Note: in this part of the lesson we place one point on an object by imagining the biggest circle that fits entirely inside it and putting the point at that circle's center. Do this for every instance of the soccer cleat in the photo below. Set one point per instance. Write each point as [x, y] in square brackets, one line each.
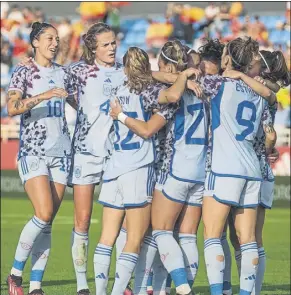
[128, 290]
[84, 292]
[14, 285]
[36, 292]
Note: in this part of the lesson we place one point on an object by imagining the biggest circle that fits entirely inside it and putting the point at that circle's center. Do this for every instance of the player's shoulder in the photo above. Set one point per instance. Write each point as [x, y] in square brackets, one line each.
[78, 65]
[21, 69]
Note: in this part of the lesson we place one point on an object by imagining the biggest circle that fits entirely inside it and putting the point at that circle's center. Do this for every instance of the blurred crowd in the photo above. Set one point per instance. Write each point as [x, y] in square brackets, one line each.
[190, 24]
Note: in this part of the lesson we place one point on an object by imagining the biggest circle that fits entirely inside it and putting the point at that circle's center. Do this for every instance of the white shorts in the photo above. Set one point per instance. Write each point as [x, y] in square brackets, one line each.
[238, 192]
[183, 192]
[133, 189]
[267, 194]
[161, 180]
[86, 169]
[56, 168]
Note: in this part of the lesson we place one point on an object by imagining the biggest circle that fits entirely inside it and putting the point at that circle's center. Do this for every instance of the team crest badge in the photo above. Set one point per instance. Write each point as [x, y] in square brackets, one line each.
[107, 89]
[77, 171]
[34, 165]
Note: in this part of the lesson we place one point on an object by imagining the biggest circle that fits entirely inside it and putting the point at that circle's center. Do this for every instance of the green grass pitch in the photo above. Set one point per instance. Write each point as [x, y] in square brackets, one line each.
[59, 278]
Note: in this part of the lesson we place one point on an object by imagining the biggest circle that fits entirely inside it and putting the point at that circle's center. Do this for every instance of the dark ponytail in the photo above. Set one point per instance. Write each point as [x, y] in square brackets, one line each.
[274, 67]
[242, 52]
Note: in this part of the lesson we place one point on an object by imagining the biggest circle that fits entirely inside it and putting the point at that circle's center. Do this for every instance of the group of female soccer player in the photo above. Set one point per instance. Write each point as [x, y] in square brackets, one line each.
[196, 136]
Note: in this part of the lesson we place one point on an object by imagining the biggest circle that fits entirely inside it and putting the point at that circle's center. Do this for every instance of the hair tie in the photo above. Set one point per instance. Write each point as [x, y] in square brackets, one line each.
[171, 60]
[264, 61]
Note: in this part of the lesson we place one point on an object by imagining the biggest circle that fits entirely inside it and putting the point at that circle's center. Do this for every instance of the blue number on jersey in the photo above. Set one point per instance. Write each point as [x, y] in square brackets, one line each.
[249, 123]
[188, 137]
[104, 107]
[56, 110]
[125, 145]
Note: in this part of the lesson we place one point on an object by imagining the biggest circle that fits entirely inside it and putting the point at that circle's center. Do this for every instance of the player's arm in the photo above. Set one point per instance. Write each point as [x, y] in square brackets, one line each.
[258, 87]
[16, 105]
[271, 138]
[271, 135]
[275, 87]
[143, 129]
[174, 93]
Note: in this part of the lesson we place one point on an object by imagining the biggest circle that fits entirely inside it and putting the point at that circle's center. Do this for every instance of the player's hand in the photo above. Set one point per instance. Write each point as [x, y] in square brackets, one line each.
[25, 61]
[233, 74]
[273, 156]
[116, 109]
[260, 79]
[192, 72]
[194, 86]
[54, 92]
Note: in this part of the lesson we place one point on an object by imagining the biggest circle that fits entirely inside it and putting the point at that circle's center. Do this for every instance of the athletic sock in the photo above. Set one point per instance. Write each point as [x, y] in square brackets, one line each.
[260, 272]
[188, 243]
[227, 270]
[39, 257]
[124, 269]
[144, 265]
[172, 258]
[249, 264]
[102, 258]
[25, 244]
[80, 243]
[214, 259]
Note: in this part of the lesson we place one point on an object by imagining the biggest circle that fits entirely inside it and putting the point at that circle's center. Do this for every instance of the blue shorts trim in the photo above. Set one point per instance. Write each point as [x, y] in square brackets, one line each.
[248, 206]
[109, 205]
[237, 176]
[172, 199]
[194, 204]
[230, 203]
[136, 205]
[185, 180]
[265, 206]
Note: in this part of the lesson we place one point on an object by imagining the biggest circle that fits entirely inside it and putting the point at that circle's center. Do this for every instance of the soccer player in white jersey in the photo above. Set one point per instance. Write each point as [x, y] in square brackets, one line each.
[235, 177]
[173, 49]
[273, 71]
[183, 190]
[137, 68]
[37, 93]
[95, 77]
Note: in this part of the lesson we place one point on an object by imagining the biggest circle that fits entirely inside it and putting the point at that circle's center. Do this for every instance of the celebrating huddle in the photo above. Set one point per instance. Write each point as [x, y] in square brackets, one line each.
[195, 136]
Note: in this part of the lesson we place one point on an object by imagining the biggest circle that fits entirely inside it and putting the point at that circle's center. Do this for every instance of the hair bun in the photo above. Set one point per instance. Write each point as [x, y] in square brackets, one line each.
[36, 25]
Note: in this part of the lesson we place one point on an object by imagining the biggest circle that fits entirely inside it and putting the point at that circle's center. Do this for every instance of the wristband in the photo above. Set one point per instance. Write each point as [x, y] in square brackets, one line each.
[121, 117]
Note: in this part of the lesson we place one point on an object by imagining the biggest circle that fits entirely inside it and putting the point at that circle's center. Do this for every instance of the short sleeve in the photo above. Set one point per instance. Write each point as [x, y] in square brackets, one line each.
[150, 101]
[211, 84]
[18, 79]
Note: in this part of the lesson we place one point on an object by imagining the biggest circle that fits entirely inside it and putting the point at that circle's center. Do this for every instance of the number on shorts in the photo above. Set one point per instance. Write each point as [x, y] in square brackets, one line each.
[249, 123]
[125, 144]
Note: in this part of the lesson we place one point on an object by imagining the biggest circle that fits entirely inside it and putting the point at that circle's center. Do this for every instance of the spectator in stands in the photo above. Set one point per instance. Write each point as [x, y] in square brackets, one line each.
[15, 14]
[65, 35]
[4, 10]
[211, 11]
[112, 17]
[282, 118]
[6, 54]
